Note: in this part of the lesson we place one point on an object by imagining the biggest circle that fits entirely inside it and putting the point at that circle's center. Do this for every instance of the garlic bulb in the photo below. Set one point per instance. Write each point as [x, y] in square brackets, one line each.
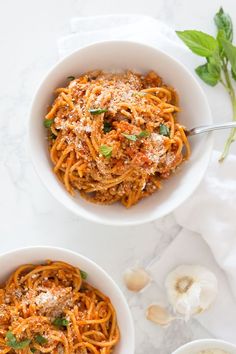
[136, 279]
[159, 315]
[191, 289]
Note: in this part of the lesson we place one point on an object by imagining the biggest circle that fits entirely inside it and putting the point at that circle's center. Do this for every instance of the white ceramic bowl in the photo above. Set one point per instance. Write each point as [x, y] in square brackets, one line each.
[203, 344]
[96, 277]
[121, 55]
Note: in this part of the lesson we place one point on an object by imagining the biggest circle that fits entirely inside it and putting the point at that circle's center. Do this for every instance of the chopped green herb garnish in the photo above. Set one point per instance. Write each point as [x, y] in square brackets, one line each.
[107, 127]
[131, 137]
[40, 339]
[97, 111]
[48, 122]
[70, 78]
[83, 274]
[52, 136]
[13, 343]
[143, 134]
[134, 137]
[60, 322]
[106, 151]
[164, 130]
[33, 350]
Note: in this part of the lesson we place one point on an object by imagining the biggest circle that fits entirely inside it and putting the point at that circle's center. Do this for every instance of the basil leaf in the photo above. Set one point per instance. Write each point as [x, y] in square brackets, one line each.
[60, 322]
[214, 64]
[48, 122]
[131, 137]
[10, 336]
[199, 42]
[164, 130]
[106, 151]
[97, 111]
[214, 70]
[230, 52]
[13, 343]
[83, 274]
[40, 339]
[224, 23]
[206, 76]
[21, 345]
[107, 127]
[134, 137]
[143, 134]
[71, 78]
[33, 350]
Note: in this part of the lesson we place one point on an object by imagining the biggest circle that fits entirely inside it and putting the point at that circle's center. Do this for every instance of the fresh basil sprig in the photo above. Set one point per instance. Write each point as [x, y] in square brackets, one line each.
[220, 66]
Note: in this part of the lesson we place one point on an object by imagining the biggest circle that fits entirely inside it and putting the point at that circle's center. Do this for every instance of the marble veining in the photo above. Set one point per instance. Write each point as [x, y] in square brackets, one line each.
[29, 215]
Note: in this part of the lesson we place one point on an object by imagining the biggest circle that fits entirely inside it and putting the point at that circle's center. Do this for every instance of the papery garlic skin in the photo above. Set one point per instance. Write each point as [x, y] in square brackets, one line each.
[191, 289]
[136, 279]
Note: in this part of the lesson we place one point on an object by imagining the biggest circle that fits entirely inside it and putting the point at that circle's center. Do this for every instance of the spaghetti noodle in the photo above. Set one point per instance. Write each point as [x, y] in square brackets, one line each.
[114, 137]
[50, 308]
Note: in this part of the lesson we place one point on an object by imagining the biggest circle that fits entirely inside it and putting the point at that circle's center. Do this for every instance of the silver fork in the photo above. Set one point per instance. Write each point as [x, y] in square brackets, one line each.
[207, 128]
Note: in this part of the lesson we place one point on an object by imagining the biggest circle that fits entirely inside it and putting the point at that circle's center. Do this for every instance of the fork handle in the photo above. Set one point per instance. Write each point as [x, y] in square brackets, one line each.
[208, 128]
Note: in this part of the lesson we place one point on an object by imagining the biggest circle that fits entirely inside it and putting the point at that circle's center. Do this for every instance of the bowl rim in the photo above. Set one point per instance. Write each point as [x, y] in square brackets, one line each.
[116, 288]
[90, 216]
[192, 344]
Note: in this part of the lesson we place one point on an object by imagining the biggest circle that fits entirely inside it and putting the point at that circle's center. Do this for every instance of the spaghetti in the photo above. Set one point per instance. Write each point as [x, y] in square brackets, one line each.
[114, 137]
[50, 308]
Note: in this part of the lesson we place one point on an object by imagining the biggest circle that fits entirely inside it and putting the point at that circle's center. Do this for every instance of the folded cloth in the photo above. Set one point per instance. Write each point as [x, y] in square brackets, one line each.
[210, 211]
[145, 29]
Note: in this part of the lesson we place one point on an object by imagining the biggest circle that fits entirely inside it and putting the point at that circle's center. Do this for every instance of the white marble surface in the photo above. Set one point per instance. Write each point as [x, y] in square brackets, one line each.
[29, 215]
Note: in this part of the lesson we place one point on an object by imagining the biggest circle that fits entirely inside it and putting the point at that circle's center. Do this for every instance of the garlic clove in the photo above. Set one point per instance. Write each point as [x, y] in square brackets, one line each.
[136, 279]
[159, 315]
[191, 289]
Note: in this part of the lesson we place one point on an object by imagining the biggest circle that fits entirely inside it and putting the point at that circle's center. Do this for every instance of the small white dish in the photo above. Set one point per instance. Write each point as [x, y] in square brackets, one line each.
[113, 56]
[203, 344]
[96, 276]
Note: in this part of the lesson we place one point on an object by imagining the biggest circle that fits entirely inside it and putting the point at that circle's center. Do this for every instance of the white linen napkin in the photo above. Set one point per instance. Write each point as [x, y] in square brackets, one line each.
[210, 211]
[87, 30]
